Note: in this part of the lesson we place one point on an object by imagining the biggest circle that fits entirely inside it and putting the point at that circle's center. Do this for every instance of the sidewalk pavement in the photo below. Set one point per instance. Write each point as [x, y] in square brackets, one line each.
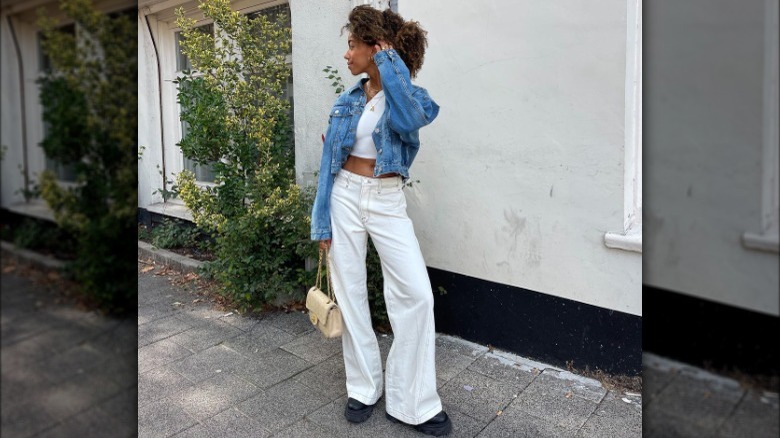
[203, 372]
[210, 373]
[684, 401]
[65, 372]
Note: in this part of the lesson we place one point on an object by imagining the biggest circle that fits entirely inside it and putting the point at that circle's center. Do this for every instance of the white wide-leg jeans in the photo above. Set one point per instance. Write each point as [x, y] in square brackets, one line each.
[376, 207]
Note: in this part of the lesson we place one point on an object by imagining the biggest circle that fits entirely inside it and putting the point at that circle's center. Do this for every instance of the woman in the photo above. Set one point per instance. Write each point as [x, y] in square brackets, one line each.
[371, 141]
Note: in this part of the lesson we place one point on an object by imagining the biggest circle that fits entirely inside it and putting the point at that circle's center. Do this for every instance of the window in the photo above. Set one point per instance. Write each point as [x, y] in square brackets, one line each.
[272, 13]
[64, 172]
[182, 61]
[203, 173]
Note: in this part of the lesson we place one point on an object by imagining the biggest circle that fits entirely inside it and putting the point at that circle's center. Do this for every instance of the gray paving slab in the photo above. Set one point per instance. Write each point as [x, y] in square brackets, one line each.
[205, 335]
[450, 362]
[234, 423]
[162, 328]
[160, 353]
[295, 323]
[25, 418]
[556, 400]
[259, 340]
[158, 383]
[327, 378]
[617, 415]
[654, 381]
[313, 347]
[463, 425]
[78, 394]
[207, 363]
[78, 360]
[665, 424]
[519, 424]
[305, 428]
[706, 406]
[237, 321]
[330, 417]
[270, 368]
[214, 395]
[64, 369]
[198, 430]
[123, 409]
[686, 401]
[500, 369]
[282, 405]
[479, 395]
[755, 416]
[89, 423]
[163, 418]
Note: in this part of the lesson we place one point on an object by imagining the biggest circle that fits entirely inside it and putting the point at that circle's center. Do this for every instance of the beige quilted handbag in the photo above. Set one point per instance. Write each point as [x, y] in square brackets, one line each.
[324, 313]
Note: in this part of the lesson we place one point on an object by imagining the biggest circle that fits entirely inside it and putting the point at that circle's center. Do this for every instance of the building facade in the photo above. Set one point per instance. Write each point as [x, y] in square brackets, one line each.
[528, 205]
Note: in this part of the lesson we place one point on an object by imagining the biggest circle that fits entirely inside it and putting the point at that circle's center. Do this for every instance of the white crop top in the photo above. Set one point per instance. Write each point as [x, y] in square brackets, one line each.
[364, 144]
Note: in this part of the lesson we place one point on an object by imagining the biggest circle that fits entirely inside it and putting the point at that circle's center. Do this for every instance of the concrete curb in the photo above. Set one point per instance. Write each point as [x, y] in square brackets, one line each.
[176, 261]
[27, 256]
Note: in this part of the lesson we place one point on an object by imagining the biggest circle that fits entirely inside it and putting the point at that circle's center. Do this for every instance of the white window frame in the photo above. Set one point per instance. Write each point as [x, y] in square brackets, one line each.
[630, 238]
[767, 237]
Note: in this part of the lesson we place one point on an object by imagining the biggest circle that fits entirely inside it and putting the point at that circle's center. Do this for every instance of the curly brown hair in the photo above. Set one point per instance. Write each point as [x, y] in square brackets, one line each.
[408, 38]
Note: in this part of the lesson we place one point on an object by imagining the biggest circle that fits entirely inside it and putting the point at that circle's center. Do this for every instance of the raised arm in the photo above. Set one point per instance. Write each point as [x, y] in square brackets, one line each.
[410, 107]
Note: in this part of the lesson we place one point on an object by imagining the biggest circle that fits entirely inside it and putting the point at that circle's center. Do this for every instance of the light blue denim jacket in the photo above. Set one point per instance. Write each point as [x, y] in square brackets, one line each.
[407, 109]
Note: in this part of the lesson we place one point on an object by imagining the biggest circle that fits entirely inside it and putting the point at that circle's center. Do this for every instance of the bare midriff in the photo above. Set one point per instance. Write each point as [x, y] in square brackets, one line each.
[363, 167]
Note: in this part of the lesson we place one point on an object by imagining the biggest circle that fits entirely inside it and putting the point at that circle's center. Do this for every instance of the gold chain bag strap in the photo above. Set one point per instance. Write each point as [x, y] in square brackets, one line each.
[324, 313]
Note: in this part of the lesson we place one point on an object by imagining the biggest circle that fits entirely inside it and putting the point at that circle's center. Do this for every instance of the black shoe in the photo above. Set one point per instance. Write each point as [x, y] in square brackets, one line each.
[357, 412]
[439, 425]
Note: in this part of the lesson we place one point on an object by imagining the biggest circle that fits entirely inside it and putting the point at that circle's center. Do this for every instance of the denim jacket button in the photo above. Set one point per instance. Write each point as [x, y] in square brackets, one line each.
[337, 111]
[376, 130]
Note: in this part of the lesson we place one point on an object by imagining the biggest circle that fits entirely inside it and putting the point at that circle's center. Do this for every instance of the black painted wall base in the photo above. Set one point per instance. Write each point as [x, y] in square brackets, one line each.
[538, 326]
[709, 334]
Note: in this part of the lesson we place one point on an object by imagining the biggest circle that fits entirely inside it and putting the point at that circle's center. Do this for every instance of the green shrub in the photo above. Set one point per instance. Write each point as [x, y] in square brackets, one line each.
[35, 234]
[89, 100]
[174, 234]
[238, 118]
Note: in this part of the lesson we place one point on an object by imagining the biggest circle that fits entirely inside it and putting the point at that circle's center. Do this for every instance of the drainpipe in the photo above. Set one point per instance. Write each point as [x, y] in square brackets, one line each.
[25, 172]
[159, 98]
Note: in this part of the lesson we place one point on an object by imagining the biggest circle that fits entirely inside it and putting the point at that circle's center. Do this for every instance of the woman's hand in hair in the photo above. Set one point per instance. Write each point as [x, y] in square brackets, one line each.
[382, 45]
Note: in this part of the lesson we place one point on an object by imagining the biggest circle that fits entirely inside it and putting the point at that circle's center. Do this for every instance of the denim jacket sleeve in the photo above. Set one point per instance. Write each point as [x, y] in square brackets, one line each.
[409, 107]
[320, 215]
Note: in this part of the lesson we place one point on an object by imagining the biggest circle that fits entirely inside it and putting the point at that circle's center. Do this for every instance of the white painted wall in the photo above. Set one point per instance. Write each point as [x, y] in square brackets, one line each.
[317, 42]
[705, 128]
[149, 178]
[11, 133]
[10, 117]
[522, 173]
